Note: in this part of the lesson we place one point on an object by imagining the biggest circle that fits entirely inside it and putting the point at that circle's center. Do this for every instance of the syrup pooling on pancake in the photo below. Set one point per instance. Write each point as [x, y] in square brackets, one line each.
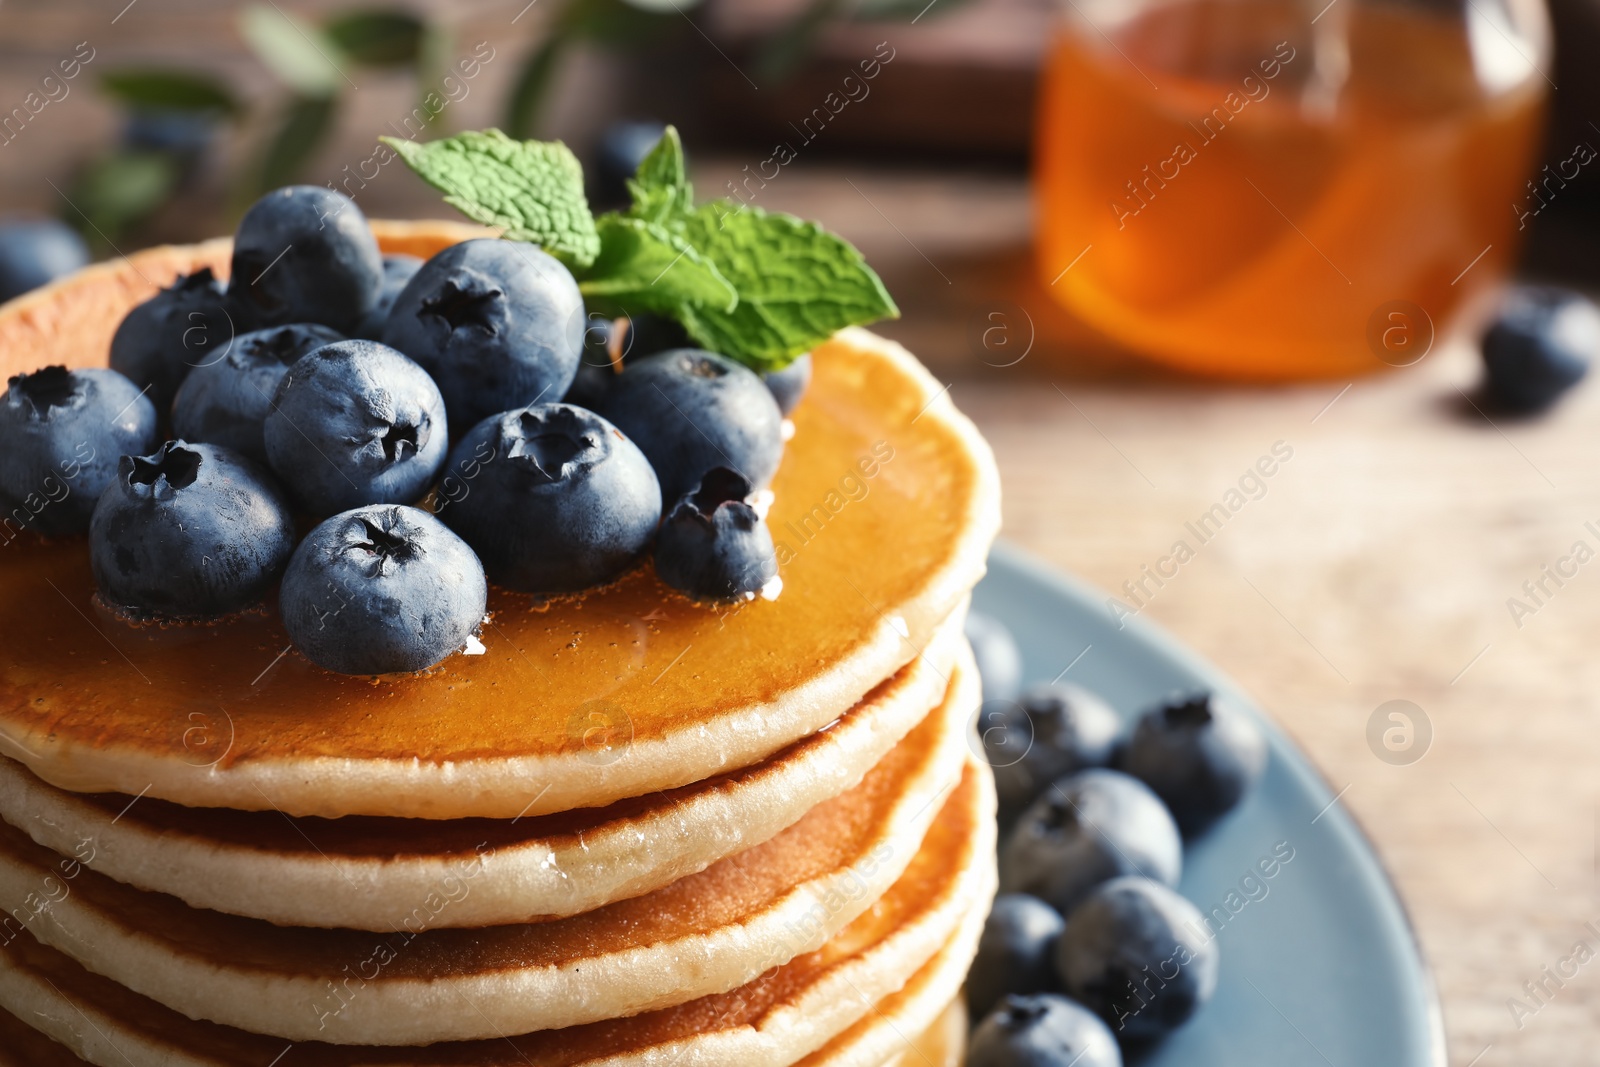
[626, 695]
[608, 688]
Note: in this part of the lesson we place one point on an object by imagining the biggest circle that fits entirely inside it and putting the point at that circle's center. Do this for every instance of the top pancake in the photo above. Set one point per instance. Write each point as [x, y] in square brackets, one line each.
[887, 501]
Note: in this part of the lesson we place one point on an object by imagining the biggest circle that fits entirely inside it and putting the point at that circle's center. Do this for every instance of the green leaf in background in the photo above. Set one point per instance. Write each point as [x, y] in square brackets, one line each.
[789, 46]
[377, 38]
[305, 123]
[118, 191]
[301, 56]
[644, 266]
[900, 10]
[661, 6]
[797, 284]
[609, 23]
[169, 90]
[435, 58]
[660, 187]
[533, 82]
[532, 190]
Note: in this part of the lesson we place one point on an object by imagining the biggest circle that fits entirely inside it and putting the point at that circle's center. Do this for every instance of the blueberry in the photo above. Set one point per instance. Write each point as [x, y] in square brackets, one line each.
[589, 387]
[1053, 731]
[1539, 346]
[499, 324]
[645, 334]
[1084, 830]
[623, 146]
[304, 253]
[191, 531]
[691, 410]
[382, 589]
[552, 498]
[34, 252]
[398, 270]
[789, 384]
[353, 423]
[1139, 956]
[1201, 753]
[186, 325]
[1015, 953]
[999, 659]
[1042, 1031]
[181, 135]
[596, 367]
[225, 402]
[61, 434]
[714, 546]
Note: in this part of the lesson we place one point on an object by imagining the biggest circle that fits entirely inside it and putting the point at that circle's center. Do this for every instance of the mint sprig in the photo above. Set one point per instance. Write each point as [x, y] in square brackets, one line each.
[531, 190]
[761, 287]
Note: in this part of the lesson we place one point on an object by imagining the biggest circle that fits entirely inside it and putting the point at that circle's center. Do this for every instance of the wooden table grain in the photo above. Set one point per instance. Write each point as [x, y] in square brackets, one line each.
[1380, 563]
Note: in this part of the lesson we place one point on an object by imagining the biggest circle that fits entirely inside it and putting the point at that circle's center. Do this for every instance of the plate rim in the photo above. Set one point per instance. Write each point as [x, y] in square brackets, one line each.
[1072, 588]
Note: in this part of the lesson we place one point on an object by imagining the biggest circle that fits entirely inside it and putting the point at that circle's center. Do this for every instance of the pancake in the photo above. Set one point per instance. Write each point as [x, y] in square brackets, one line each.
[367, 872]
[894, 1023]
[944, 1044]
[703, 934]
[886, 503]
[941, 1045]
[921, 934]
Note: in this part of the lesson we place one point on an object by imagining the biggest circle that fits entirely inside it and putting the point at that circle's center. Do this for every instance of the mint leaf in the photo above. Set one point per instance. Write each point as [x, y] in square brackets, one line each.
[759, 287]
[660, 187]
[797, 284]
[532, 190]
[643, 266]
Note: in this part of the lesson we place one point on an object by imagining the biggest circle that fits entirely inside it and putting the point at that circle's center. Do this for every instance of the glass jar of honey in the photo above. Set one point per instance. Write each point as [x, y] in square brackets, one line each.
[1279, 189]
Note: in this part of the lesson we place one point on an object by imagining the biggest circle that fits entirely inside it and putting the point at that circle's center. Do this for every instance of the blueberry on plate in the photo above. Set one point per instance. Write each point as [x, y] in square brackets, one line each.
[999, 659]
[398, 270]
[304, 253]
[1042, 1031]
[499, 324]
[1139, 956]
[36, 251]
[691, 410]
[552, 498]
[1015, 953]
[789, 384]
[382, 589]
[191, 531]
[1200, 753]
[225, 402]
[1087, 829]
[1054, 730]
[1539, 346]
[61, 434]
[714, 546]
[355, 423]
[187, 325]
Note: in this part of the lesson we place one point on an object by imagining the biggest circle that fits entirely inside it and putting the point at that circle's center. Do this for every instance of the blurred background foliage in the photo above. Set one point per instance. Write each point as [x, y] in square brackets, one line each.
[173, 118]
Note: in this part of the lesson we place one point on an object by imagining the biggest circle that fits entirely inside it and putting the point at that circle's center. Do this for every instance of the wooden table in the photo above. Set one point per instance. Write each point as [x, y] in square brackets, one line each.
[1377, 566]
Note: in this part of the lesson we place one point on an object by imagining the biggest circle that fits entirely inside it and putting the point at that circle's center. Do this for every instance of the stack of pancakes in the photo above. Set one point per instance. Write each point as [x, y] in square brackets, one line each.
[634, 830]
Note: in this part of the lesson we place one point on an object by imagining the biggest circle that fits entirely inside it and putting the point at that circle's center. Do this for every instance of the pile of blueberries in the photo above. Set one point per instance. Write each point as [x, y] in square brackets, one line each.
[429, 428]
[1089, 950]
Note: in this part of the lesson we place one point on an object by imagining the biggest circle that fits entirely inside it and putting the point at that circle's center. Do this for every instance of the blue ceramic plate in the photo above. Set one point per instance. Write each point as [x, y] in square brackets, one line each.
[1319, 963]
